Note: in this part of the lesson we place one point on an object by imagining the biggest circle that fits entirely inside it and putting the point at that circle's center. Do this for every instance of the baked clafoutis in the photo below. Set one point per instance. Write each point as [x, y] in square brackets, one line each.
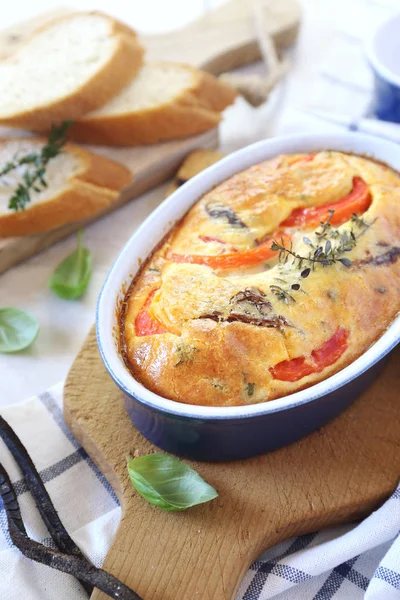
[275, 280]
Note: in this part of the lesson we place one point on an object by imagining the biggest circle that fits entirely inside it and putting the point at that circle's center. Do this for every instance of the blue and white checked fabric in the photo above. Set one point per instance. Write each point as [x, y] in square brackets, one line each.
[345, 563]
[83, 498]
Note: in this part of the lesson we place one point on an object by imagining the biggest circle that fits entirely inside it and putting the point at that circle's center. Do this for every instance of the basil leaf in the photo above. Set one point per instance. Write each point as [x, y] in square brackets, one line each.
[18, 329]
[168, 483]
[71, 278]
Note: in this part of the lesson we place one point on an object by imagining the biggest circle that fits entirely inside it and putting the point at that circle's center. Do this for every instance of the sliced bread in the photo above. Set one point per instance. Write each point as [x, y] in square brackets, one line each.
[70, 66]
[164, 101]
[79, 184]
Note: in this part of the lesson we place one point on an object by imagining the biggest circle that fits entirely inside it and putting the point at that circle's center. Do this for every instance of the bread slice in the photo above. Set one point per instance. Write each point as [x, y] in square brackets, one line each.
[194, 163]
[80, 184]
[164, 101]
[70, 66]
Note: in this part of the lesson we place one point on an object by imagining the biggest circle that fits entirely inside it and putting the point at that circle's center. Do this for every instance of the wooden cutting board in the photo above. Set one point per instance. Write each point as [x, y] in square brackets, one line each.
[220, 41]
[337, 474]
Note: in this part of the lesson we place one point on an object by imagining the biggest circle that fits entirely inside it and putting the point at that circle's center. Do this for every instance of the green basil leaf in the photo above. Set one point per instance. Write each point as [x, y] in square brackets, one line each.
[18, 329]
[168, 483]
[71, 278]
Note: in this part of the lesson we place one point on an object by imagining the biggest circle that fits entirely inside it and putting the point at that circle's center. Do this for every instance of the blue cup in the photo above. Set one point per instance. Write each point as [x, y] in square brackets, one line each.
[383, 54]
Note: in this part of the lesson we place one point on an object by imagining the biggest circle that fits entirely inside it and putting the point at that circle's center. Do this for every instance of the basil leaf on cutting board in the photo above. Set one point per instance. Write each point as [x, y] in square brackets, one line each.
[71, 278]
[168, 483]
[18, 329]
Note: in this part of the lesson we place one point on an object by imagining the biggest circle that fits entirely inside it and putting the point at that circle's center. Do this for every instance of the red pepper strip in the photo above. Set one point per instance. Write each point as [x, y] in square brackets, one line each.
[144, 322]
[323, 356]
[310, 156]
[235, 259]
[306, 158]
[358, 201]
[209, 238]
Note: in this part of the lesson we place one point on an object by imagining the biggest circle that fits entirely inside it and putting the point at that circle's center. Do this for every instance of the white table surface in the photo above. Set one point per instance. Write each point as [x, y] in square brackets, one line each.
[63, 324]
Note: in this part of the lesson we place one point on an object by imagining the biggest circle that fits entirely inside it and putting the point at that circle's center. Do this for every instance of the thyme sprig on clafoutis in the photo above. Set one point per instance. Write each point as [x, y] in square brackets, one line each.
[329, 249]
[282, 294]
[34, 176]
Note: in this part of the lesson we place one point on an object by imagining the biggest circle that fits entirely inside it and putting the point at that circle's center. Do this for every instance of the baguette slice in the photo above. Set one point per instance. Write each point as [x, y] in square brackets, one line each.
[70, 66]
[164, 101]
[80, 184]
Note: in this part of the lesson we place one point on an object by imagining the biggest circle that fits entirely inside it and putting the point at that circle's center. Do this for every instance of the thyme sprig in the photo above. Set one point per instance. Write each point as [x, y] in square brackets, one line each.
[329, 249]
[34, 175]
[282, 294]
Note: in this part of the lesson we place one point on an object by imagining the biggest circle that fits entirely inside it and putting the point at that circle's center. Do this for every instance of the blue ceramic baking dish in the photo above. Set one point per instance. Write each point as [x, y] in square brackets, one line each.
[383, 53]
[227, 433]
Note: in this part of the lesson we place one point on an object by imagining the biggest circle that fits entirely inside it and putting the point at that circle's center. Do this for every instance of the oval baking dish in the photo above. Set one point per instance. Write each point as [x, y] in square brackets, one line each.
[225, 433]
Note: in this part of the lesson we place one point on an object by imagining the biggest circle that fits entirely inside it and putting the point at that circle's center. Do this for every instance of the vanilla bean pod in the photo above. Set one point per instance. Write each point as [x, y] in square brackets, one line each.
[69, 558]
[43, 501]
[71, 564]
[36, 487]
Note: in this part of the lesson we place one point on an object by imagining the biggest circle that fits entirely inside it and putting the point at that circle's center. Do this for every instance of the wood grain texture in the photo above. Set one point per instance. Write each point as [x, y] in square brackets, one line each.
[218, 42]
[226, 38]
[221, 40]
[337, 474]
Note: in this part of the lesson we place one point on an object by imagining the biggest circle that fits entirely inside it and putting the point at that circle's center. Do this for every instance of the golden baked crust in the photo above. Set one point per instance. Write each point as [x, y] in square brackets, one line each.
[238, 331]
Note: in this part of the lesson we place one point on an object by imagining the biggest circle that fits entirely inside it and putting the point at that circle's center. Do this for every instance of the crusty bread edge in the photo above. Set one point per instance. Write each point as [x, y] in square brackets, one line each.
[195, 110]
[91, 189]
[100, 170]
[214, 94]
[99, 89]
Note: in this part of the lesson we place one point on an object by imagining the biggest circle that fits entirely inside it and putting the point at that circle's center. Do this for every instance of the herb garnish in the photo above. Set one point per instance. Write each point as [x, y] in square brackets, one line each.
[18, 329]
[329, 249]
[71, 278]
[250, 388]
[282, 294]
[169, 483]
[325, 252]
[217, 385]
[34, 176]
[185, 353]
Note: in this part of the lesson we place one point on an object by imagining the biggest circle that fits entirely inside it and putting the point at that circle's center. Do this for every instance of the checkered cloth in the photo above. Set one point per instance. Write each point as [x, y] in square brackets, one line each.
[345, 563]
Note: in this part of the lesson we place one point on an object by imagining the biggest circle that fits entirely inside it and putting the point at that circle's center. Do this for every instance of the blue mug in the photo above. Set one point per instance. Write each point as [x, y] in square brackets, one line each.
[383, 54]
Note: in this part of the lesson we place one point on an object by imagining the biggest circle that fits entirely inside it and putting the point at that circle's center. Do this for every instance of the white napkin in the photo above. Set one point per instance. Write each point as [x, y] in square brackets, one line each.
[345, 563]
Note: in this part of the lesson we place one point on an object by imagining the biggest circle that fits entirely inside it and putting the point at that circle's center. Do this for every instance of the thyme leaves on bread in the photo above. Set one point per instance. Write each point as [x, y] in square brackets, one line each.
[34, 176]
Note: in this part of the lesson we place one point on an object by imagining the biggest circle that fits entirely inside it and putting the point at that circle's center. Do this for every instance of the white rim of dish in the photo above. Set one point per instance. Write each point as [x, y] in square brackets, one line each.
[106, 308]
[384, 72]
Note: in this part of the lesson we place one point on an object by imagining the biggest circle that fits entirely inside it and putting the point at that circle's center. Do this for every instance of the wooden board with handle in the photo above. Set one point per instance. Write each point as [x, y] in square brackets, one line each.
[222, 40]
[337, 474]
